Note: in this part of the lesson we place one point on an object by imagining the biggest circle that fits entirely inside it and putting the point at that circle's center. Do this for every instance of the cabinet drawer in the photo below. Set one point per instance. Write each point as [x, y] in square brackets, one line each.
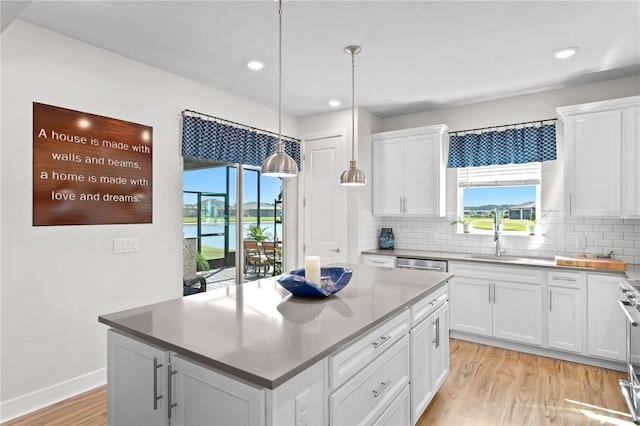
[429, 304]
[499, 272]
[364, 398]
[566, 279]
[382, 261]
[398, 413]
[347, 362]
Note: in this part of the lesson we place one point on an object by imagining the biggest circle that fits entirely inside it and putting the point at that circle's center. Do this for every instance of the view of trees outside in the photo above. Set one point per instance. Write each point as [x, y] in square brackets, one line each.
[516, 206]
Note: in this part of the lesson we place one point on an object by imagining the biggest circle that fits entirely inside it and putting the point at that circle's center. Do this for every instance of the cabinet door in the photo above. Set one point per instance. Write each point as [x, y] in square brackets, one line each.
[421, 174]
[631, 162]
[421, 382]
[606, 324]
[440, 348]
[593, 147]
[565, 318]
[517, 312]
[387, 177]
[471, 308]
[205, 397]
[136, 382]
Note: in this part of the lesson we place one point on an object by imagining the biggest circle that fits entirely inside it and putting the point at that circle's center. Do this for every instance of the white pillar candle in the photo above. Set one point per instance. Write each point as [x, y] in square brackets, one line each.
[312, 269]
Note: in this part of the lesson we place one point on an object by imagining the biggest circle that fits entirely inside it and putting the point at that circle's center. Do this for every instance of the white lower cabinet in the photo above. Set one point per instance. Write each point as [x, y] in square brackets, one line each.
[398, 412]
[387, 376]
[497, 301]
[363, 398]
[199, 395]
[566, 313]
[147, 385]
[379, 260]
[137, 382]
[429, 359]
[606, 324]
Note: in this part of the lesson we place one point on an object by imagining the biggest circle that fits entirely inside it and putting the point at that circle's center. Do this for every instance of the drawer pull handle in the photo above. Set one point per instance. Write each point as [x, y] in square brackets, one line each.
[170, 404]
[156, 397]
[383, 386]
[380, 341]
[567, 279]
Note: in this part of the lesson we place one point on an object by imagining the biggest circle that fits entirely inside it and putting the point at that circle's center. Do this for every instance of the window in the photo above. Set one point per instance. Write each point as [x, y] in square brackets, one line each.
[513, 189]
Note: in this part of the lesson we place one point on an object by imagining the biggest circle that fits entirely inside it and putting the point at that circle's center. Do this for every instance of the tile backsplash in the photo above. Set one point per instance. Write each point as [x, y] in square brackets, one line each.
[561, 236]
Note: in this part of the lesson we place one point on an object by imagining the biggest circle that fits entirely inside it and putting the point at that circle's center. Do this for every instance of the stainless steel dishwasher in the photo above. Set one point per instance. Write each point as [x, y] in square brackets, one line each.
[422, 264]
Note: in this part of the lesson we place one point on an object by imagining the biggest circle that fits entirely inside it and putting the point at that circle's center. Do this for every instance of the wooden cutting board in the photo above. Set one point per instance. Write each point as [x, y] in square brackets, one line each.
[591, 262]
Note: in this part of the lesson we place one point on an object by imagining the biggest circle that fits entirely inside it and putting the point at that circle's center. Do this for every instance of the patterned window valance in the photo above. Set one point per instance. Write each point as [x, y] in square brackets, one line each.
[212, 138]
[535, 143]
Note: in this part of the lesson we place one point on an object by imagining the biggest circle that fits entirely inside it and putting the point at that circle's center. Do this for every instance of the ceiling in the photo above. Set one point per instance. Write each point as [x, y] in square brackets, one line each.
[416, 55]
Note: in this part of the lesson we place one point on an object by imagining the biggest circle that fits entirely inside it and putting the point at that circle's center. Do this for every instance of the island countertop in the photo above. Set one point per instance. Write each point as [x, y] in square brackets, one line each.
[262, 334]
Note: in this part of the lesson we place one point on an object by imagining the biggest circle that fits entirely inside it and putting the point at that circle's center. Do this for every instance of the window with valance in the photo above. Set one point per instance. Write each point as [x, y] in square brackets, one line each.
[214, 139]
[501, 169]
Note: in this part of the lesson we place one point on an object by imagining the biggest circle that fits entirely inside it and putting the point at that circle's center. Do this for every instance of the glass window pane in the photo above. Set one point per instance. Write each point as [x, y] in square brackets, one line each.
[515, 203]
[190, 215]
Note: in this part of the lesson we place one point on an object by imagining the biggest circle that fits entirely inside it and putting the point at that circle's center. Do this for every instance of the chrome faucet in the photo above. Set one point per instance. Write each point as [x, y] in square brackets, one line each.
[496, 231]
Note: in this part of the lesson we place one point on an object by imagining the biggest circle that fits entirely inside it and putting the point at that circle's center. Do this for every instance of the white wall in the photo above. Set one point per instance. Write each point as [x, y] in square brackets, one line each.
[56, 280]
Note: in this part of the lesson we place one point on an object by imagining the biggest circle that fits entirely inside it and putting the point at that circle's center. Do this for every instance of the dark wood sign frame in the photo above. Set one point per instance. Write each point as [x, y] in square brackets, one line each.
[89, 169]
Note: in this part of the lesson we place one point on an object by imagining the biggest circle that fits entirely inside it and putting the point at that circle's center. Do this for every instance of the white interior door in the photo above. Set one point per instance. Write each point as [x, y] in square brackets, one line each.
[324, 200]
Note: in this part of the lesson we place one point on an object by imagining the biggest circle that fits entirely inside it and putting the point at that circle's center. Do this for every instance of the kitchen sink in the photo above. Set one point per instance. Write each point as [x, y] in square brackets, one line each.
[511, 259]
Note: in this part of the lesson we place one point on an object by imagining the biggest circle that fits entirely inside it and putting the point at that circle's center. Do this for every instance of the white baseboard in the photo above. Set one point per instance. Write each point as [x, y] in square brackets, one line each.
[41, 398]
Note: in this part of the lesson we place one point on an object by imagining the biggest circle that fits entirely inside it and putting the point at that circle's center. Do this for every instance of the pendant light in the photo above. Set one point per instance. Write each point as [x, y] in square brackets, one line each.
[279, 164]
[353, 176]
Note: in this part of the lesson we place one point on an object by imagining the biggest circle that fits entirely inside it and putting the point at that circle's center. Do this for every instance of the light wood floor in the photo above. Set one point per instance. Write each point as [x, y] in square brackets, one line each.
[486, 386]
[492, 386]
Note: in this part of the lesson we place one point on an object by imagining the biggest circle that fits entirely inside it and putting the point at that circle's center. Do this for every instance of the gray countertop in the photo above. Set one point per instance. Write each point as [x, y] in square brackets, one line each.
[259, 332]
[632, 272]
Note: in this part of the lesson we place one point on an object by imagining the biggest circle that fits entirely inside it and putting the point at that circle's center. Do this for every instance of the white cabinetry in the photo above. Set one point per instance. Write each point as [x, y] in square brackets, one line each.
[503, 302]
[566, 300]
[374, 379]
[379, 260]
[601, 157]
[204, 397]
[150, 386]
[137, 382]
[605, 321]
[429, 352]
[409, 171]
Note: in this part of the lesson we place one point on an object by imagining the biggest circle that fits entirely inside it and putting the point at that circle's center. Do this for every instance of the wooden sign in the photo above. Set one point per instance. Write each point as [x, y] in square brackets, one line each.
[89, 169]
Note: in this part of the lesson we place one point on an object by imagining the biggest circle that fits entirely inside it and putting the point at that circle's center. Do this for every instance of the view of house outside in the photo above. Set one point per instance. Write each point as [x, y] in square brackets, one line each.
[516, 206]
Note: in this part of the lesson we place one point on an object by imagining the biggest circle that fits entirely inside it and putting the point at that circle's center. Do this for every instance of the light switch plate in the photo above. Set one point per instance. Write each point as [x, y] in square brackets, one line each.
[126, 245]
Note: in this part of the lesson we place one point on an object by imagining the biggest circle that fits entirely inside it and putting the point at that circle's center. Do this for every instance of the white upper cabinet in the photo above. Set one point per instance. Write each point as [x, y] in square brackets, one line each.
[601, 157]
[409, 169]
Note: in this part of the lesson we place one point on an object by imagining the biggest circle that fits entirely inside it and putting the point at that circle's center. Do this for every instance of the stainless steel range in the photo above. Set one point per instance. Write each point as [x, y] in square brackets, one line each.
[631, 386]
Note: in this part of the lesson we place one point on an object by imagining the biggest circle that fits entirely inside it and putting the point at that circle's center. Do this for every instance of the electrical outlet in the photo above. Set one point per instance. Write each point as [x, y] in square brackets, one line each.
[126, 245]
[302, 408]
[581, 242]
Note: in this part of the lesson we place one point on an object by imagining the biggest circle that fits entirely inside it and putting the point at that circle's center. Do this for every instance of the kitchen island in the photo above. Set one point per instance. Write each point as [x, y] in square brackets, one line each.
[254, 354]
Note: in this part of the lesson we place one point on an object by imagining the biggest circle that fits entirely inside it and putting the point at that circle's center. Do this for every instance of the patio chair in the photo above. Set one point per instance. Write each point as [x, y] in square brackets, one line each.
[269, 248]
[254, 257]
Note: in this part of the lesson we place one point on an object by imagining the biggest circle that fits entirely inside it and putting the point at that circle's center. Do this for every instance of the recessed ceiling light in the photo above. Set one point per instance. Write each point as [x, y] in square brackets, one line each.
[255, 65]
[566, 52]
[334, 103]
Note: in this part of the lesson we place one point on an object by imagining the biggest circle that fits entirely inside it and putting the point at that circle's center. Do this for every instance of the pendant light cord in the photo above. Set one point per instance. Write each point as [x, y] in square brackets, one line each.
[279, 145]
[353, 106]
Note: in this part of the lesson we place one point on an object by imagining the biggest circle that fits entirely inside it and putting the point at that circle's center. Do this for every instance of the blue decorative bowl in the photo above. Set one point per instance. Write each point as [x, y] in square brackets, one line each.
[333, 280]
